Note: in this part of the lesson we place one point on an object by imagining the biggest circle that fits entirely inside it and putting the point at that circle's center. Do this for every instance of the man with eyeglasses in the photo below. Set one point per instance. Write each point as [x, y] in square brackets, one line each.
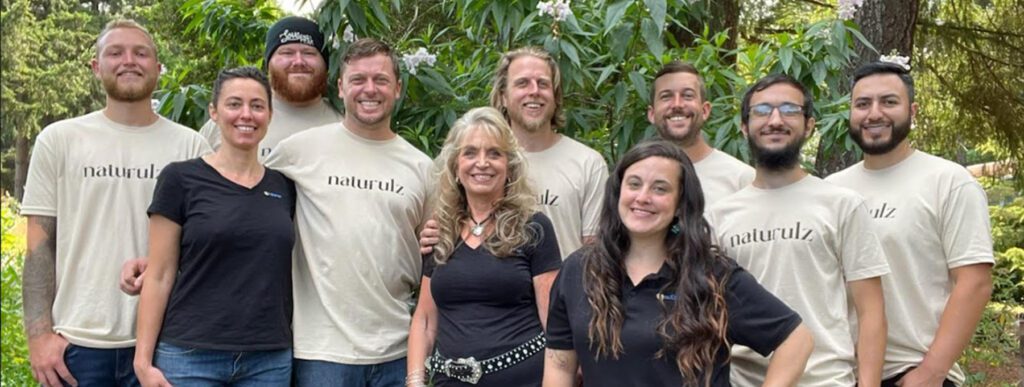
[807, 241]
[932, 220]
[678, 109]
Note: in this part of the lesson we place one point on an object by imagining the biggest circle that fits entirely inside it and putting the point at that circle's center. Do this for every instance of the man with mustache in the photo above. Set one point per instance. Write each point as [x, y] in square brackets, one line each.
[296, 59]
[678, 109]
[90, 181]
[807, 241]
[933, 222]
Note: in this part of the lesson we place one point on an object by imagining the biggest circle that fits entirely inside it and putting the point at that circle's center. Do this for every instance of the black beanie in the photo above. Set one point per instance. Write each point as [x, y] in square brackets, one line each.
[294, 29]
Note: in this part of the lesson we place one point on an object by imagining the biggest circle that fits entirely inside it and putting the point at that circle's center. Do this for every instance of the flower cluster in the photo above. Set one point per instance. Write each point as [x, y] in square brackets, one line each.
[412, 61]
[895, 58]
[847, 8]
[558, 9]
[348, 36]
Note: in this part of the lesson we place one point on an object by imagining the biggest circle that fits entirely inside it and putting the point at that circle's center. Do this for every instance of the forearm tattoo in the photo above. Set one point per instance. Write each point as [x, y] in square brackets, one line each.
[561, 358]
[39, 283]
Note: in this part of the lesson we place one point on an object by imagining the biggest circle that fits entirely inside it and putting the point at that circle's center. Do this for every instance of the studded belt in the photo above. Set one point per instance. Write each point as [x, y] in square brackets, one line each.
[470, 370]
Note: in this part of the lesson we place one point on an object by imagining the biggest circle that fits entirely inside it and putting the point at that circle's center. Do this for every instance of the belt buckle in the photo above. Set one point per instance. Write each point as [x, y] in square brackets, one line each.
[469, 364]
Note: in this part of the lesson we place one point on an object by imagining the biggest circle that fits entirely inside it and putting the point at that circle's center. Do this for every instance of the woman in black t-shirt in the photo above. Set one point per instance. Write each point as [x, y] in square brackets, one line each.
[653, 303]
[216, 305]
[483, 298]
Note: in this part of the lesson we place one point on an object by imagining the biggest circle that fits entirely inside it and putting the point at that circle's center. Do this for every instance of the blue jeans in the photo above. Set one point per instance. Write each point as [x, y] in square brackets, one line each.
[203, 367]
[316, 373]
[101, 367]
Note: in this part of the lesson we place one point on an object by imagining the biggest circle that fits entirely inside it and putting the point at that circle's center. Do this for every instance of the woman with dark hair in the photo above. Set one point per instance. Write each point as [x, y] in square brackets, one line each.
[484, 292]
[653, 302]
[216, 306]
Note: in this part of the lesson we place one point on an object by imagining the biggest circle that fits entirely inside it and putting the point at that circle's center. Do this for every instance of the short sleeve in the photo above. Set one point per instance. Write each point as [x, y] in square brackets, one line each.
[861, 253]
[545, 255]
[594, 195]
[278, 158]
[559, 330]
[169, 194]
[966, 228]
[757, 319]
[43, 173]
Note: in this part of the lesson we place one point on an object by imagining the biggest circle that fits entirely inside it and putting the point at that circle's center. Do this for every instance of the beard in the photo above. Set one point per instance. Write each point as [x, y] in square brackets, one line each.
[776, 159]
[129, 93]
[298, 91]
[900, 131]
[692, 131]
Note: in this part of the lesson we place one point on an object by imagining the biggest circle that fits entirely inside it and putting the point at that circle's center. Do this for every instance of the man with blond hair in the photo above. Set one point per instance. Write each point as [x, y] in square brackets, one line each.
[90, 181]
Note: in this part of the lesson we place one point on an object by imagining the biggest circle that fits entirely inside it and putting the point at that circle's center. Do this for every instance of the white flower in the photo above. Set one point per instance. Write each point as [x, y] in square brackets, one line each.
[847, 8]
[558, 9]
[348, 36]
[412, 61]
[895, 58]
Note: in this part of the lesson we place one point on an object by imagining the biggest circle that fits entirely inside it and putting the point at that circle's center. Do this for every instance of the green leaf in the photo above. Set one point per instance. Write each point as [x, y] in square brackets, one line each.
[614, 14]
[570, 51]
[786, 57]
[658, 11]
[604, 74]
[652, 36]
[640, 85]
[819, 72]
[379, 13]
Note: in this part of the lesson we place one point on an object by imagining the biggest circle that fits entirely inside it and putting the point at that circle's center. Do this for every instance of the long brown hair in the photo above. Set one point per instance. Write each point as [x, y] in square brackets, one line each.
[694, 327]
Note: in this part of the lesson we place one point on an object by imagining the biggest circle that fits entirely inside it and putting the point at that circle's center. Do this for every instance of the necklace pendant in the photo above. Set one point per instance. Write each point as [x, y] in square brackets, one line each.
[477, 230]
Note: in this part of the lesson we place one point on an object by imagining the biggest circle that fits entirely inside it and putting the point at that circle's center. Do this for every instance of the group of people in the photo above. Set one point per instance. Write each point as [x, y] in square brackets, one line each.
[293, 245]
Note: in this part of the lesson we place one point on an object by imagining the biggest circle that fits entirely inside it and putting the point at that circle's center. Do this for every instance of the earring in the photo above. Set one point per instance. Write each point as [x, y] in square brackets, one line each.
[675, 229]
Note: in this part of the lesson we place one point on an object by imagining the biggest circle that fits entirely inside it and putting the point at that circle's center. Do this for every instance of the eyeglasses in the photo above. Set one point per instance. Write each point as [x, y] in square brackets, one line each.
[786, 109]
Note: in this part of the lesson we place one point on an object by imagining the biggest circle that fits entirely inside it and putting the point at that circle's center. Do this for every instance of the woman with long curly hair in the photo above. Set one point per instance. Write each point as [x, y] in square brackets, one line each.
[653, 302]
[484, 292]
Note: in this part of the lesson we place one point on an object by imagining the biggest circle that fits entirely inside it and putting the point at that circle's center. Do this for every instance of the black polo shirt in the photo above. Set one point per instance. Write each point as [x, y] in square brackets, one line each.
[756, 319]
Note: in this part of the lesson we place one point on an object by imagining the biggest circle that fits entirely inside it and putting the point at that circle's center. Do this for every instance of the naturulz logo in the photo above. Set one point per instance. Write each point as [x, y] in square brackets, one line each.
[149, 172]
[883, 212]
[547, 199]
[389, 185]
[771, 234]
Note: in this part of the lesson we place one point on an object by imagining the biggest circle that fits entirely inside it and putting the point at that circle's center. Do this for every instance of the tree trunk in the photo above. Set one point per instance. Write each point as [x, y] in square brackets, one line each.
[724, 15]
[21, 157]
[888, 25]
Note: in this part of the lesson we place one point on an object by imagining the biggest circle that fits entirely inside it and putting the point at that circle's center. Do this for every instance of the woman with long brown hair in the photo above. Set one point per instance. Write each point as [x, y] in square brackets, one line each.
[653, 302]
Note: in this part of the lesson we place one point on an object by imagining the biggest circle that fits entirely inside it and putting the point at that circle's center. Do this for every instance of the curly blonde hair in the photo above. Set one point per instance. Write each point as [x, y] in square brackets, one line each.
[511, 212]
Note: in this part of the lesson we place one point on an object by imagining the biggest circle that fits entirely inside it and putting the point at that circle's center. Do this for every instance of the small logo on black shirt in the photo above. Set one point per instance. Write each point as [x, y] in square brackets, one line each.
[274, 195]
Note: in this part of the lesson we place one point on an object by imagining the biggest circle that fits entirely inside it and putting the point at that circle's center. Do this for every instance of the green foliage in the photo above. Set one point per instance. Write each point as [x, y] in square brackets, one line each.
[14, 353]
[1008, 244]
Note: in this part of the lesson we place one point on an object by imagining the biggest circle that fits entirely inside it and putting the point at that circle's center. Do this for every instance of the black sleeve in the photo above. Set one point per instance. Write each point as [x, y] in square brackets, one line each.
[757, 319]
[559, 330]
[544, 256]
[428, 265]
[169, 194]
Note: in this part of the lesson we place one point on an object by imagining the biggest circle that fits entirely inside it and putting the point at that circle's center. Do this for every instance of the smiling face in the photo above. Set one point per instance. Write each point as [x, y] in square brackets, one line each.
[777, 126]
[298, 73]
[369, 88]
[880, 113]
[242, 112]
[678, 111]
[648, 196]
[482, 165]
[529, 94]
[126, 64]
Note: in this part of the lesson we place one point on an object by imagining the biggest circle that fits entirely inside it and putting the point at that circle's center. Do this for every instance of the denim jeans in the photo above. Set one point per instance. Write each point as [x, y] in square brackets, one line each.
[315, 373]
[101, 367]
[203, 367]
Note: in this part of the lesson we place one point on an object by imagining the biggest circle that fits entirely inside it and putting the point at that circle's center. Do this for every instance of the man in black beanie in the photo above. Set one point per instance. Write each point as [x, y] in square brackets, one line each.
[296, 59]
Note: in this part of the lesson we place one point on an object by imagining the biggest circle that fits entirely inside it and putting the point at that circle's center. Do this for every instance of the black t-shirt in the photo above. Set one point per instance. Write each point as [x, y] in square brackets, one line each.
[487, 305]
[233, 290]
[756, 319]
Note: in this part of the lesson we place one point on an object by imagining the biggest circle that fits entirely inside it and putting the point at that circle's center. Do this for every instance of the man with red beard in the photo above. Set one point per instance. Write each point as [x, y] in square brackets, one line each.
[297, 62]
[932, 220]
[569, 177]
[678, 109]
[90, 181]
[807, 241]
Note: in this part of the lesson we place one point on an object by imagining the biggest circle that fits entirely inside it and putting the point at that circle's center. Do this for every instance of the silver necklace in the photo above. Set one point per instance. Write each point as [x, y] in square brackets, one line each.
[478, 227]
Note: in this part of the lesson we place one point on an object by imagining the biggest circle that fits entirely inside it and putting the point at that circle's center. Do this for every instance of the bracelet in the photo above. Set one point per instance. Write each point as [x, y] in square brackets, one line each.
[416, 379]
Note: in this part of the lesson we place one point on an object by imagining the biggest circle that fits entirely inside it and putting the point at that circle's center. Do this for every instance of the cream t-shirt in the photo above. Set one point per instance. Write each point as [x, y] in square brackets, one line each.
[286, 121]
[931, 216]
[803, 243]
[359, 205]
[721, 175]
[97, 178]
[569, 181]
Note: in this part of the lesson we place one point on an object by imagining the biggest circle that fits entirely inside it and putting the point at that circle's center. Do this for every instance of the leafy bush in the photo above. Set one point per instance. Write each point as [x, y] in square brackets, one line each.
[1008, 244]
[16, 370]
